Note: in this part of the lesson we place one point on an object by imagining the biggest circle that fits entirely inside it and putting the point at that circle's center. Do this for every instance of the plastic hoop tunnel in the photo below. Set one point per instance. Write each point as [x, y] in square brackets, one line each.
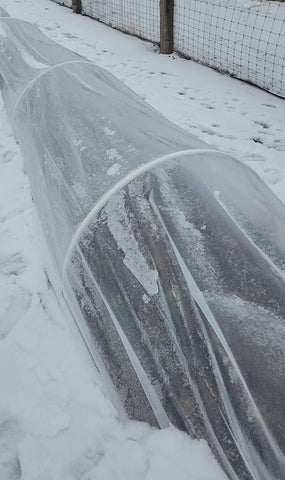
[171, 255]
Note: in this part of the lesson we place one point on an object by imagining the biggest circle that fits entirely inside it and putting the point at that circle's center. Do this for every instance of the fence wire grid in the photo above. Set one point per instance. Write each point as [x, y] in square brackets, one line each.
[136, 17]
[244, 38]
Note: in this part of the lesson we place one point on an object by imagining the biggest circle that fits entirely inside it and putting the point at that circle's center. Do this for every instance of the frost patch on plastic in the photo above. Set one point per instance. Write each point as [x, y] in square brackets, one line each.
[29, 59]
[119, 226]
[113, 169]
[113, 154]
[193, 238]
[108, 132]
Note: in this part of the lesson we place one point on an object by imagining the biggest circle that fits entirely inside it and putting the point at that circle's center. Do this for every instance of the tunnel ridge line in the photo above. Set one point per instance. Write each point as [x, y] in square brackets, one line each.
[34, 80]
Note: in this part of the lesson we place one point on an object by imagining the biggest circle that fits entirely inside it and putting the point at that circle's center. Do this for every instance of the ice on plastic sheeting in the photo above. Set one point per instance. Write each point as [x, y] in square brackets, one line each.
[108, 132]
[125, 238]
[113, 169]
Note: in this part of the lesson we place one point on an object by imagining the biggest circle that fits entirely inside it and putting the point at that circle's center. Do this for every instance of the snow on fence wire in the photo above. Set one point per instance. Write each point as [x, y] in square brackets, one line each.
[137, 17]
[244, 38]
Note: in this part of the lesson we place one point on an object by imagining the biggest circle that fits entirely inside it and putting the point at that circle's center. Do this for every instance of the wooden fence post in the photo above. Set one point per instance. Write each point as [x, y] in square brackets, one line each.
[76, 6]
[166, 26]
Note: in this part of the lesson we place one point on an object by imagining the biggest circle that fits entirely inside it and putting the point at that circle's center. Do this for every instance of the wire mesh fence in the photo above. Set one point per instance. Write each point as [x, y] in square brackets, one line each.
[244, 38]
[140, 18]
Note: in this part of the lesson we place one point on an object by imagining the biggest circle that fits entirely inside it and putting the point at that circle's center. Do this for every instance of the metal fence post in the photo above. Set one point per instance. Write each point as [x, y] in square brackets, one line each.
[76, 6]
[166, 26]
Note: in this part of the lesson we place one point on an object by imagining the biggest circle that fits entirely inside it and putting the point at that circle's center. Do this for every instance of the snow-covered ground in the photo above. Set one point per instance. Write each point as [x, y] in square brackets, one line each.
[55, 421]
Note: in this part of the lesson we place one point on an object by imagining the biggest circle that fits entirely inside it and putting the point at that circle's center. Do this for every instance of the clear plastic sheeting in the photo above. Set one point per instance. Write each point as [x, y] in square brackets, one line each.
[171, 255]
[21, 63]
[3, 13]
[181, 276]
[74, 110]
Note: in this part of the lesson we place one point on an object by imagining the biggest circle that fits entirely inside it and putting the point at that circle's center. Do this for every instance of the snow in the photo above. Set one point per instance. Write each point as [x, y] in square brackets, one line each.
[113, 154]
[108, 132]
[56, 421]
[113, 169]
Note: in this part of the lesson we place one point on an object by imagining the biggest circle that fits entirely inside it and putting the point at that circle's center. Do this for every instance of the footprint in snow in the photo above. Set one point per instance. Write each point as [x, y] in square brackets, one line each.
[209, 107]
[278, 144]
[69, 35]
[257, 140]
[268, 105]
[262, 124]
[7, 156]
